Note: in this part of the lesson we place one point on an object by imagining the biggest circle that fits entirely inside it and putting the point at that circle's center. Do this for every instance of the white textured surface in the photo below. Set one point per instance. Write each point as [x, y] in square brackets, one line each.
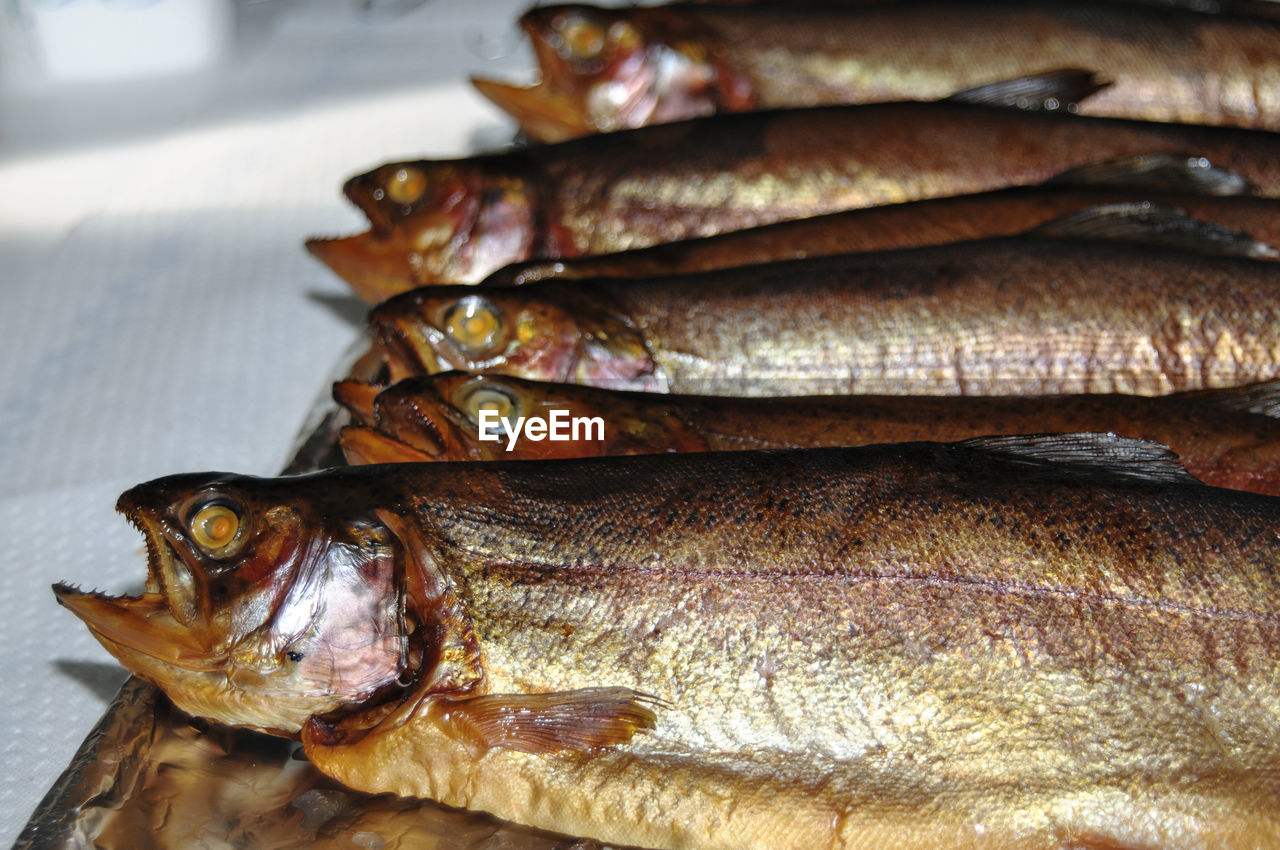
[158, 312]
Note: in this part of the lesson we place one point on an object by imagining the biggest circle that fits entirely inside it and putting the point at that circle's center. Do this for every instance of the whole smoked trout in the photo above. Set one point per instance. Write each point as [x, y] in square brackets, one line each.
[609, 69]
[1015, 316]
[454, 221]
[1226, 438]
[1015, 643]
[934, 222]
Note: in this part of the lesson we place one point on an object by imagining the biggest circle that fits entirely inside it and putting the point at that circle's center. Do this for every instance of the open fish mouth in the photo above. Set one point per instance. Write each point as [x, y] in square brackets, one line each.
[363, 445]
[551, 109]
[408, 349]
[370, 441]
[376, 268]
[541, 111]
[154, 624]
[362, 191]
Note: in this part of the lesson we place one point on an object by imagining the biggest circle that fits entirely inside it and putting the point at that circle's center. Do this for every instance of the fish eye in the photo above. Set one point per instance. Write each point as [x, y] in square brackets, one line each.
[406, 185]
[216, 529]
[580, 38]
[474, 324]
[471, 400]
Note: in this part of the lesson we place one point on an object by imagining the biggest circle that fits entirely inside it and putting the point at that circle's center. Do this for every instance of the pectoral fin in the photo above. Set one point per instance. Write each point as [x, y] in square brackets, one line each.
[1145, 223]
[1047, 92]
[1167, 172]
[550, 723]
[1262, 399]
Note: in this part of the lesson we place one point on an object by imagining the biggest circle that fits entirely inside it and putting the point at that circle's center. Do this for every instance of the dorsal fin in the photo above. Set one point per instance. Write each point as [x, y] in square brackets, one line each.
[1101, 453]
[1167, 172]
[1262, 399]
[1153, 224]
[1051, 91]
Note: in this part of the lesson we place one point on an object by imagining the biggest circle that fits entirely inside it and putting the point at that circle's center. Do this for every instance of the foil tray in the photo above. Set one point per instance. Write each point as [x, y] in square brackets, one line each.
[149, 776]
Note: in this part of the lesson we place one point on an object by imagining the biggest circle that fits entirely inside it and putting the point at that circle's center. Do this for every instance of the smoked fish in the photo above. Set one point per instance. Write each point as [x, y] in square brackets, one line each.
[1226, 438]
[604, 69]
[454, 221]
[1014, 642]
[934, 222]
[1012, 316]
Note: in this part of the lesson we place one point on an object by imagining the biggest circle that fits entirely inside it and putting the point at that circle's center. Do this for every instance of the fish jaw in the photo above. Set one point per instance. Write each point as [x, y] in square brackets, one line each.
[602, 70]
[544, 115]
[375, 268]
[362, 445]
[138, 632]
[549, 332]
[297, 626]
[141, 628]
[398, 424]
[408, 348]
[431, 223]
[535, 339]
[359, 398]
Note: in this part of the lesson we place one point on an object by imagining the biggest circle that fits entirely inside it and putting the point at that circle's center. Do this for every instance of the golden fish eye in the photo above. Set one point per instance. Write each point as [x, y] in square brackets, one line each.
[580, 38]
[474, 323]
[407, 185]
[624, 36]
[214, 528]
[472, 400]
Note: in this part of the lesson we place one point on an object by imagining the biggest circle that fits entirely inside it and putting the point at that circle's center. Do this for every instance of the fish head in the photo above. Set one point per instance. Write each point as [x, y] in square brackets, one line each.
[442, 417]
[259, 609]
[419, 419]
[432, 222]
[542, 332]
[610, 69]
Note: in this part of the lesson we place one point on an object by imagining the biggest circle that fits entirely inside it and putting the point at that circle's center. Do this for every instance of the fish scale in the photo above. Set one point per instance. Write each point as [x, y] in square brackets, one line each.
[728, 172]
[1162, 63]
[1016, 316]
[1004, 642]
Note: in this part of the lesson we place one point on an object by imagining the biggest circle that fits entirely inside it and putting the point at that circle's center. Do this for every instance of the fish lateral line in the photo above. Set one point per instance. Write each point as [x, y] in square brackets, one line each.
[990, 585]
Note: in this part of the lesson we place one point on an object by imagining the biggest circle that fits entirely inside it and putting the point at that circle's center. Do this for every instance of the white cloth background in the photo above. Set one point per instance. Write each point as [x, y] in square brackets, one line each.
[158, 312]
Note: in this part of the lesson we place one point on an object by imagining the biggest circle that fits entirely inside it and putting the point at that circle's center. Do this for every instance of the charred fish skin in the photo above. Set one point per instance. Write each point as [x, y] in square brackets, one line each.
[1226, 438]
[1017, 316]
[908, 225]
[698, 178]
[973, 646]
[608, 69]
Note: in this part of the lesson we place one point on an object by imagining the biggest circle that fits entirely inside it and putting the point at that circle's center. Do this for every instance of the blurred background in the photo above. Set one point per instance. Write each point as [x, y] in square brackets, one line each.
[161, 162]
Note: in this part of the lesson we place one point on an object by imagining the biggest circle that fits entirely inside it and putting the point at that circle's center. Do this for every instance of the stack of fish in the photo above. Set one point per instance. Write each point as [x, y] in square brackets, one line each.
[972, 226]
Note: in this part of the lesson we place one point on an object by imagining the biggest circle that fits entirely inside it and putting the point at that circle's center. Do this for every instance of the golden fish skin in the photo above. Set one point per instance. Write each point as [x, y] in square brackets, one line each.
[609, 69]
[1010, 642]
[447, 221]
[932, 222]
[1018, 316]
[1226, 438]
[910, 646]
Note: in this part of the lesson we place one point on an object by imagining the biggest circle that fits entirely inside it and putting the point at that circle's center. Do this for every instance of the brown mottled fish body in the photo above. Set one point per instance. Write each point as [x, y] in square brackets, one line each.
[932, 222]
[1217, 434]
[1017, 316]
[914, 646]
[1163, 63]
[456, 221]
